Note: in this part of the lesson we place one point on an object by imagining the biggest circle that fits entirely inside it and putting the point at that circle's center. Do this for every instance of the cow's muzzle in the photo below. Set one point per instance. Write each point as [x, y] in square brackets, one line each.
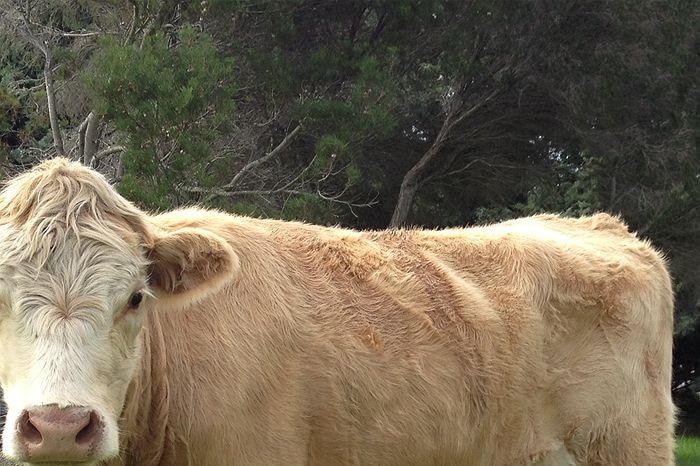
[53, 434]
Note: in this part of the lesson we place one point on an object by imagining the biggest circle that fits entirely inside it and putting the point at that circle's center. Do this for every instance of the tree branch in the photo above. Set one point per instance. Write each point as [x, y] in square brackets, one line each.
[409, 185]
[134, 19]
[274, 153]
[456, 113]
[106, 152]
[79, 34]
[244, 192]
[213, 192]
[48, 81]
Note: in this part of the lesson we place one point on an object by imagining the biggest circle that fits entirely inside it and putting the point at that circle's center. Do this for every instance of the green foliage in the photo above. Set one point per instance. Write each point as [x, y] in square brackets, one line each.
[171, 101]
[326, 63]
[349, 124]
[309, 208]
[20, 126]
[572, 191]
[274, 66]
[367, 111]
[10, 110]
[329, 148]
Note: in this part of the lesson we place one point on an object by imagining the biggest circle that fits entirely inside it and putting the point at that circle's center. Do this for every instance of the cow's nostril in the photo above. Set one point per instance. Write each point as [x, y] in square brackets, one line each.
[28, 431]
[89, 434]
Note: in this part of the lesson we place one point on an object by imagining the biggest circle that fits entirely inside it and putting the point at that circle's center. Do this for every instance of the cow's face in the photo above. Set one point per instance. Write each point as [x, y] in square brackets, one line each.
[74, 290]
[69, 331]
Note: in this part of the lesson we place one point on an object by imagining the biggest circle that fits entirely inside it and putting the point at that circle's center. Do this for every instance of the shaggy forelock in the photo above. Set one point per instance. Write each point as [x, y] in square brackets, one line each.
[61, 200]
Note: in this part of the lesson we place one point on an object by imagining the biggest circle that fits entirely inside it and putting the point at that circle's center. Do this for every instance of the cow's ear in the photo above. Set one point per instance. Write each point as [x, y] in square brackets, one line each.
[190, 263]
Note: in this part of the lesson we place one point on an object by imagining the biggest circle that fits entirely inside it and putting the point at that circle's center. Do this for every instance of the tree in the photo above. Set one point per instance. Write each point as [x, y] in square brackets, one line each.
[171, 98]
[33, 22]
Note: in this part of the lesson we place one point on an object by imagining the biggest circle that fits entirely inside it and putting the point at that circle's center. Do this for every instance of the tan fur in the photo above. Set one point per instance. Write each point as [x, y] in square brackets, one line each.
[537, 341]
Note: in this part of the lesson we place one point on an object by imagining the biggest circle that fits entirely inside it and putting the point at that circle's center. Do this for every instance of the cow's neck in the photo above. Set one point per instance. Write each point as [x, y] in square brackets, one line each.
[148, 438]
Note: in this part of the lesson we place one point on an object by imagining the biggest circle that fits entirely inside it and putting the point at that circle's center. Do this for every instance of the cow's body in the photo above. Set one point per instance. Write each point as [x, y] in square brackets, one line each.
[536, 341]
[487, 346]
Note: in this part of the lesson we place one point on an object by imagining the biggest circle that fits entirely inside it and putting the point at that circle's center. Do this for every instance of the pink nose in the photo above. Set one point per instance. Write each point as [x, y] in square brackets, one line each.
[50, 433]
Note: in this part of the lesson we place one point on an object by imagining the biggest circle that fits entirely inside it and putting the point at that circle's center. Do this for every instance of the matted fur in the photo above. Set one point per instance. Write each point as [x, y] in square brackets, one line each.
[55, 201]
[542, 340]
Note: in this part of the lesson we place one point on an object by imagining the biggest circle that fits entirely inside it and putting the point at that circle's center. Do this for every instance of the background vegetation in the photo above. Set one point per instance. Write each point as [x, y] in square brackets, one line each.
[688, 451]
[375, 113]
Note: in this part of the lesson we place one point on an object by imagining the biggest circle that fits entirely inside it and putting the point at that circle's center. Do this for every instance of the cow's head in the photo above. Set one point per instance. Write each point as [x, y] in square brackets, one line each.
[79, 267]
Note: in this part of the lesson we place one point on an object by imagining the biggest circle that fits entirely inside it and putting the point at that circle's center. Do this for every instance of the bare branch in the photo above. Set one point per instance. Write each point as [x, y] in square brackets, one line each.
[134, 19]
[474, 108]
[456, 112]
[146, 28]
[45, 49]
[244, 192]
[29, 36]
[297, 180]
[80, 34]
[336, 198]
[460, 170]
[107, 151]
[274, 153]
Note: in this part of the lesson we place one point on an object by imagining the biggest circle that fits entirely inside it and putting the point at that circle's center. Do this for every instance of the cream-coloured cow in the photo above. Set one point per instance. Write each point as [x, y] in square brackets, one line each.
[200, 338]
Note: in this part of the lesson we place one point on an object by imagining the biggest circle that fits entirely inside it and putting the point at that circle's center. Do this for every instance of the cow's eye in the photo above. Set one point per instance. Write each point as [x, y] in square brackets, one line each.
[135, 300]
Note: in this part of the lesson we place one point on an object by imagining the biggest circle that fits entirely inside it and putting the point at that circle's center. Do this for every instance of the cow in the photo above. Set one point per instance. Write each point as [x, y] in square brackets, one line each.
[3, 410]
[197, 337]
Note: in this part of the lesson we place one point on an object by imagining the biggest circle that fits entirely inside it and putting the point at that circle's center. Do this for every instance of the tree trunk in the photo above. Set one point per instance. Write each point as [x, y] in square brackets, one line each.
[119, 169]
[409, 188]
[51, 100]
[90, 140]
[416, 175]
[412, 179]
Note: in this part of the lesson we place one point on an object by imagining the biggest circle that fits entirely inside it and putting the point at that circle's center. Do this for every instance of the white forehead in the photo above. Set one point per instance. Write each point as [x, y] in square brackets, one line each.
[68, 271]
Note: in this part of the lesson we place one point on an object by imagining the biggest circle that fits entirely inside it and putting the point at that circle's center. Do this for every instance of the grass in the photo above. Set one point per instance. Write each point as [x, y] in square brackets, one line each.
[688, 451]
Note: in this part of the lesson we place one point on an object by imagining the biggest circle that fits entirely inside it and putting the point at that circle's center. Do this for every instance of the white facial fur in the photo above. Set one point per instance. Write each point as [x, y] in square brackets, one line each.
[67, 333]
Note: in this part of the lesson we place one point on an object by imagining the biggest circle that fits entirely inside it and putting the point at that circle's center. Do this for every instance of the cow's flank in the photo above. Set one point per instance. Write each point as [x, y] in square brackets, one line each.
[195, 337]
